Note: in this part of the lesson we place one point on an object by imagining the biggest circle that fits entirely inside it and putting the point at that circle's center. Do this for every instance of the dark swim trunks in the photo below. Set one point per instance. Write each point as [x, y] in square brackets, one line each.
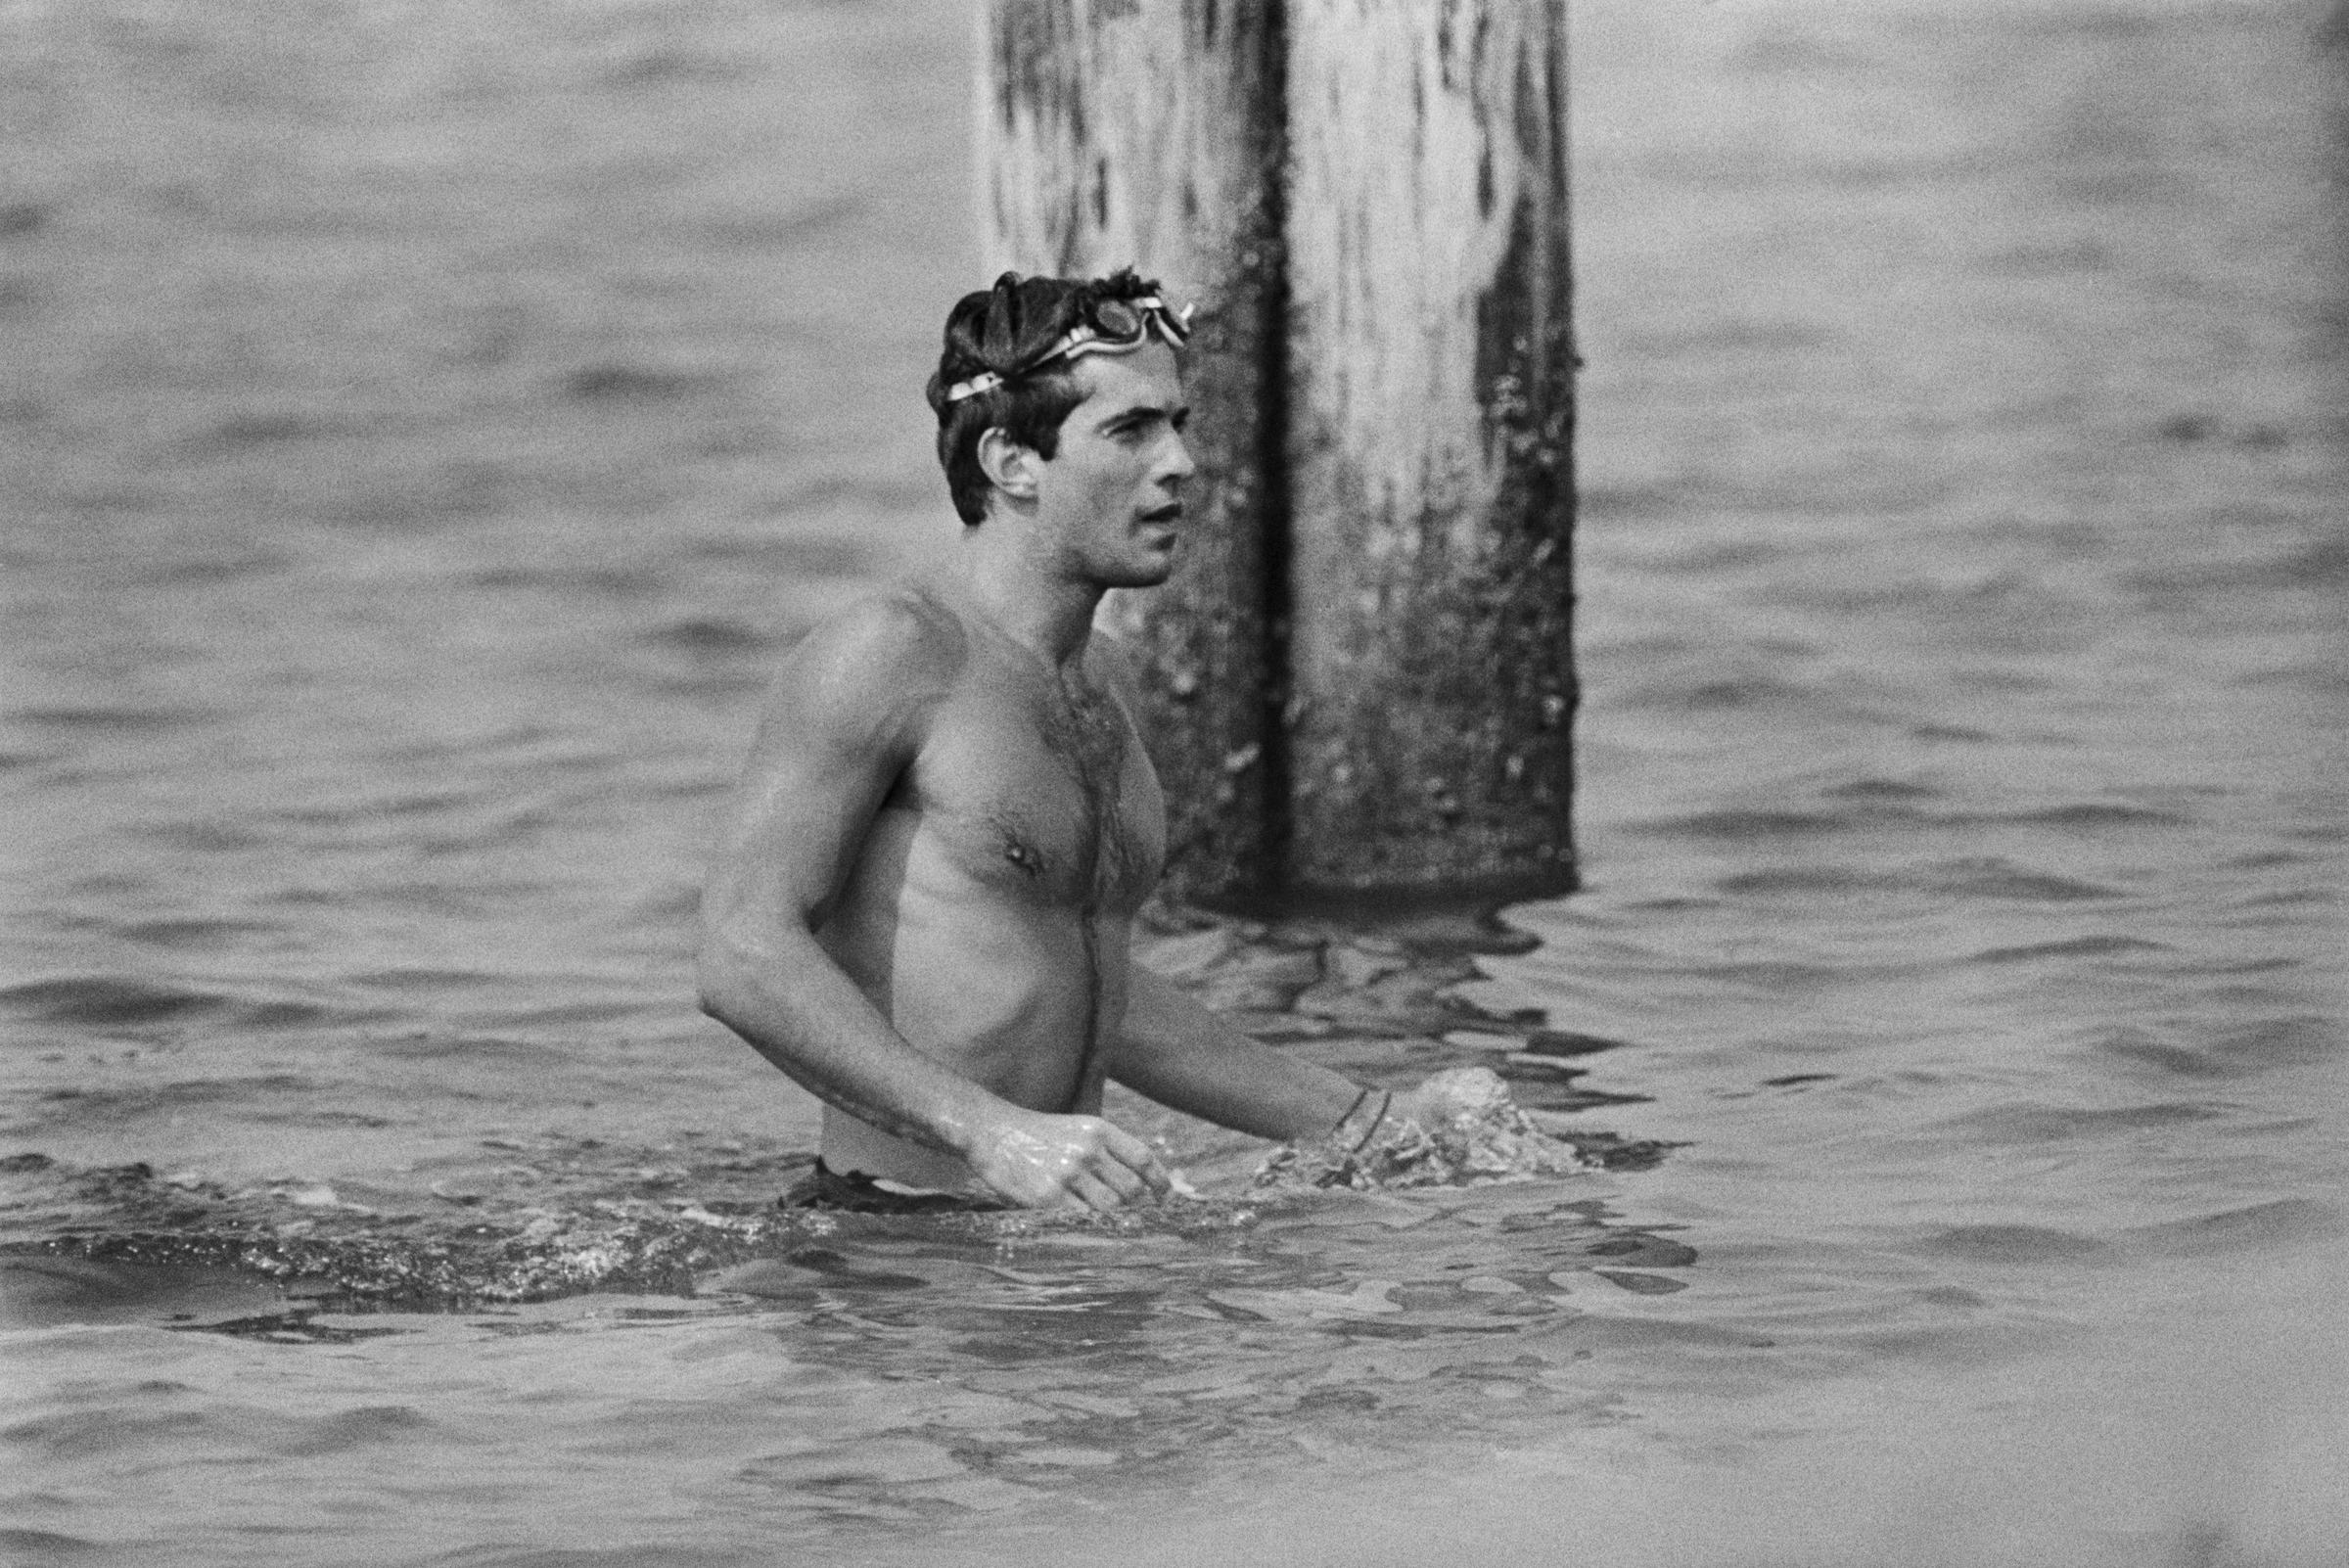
[854, 1192]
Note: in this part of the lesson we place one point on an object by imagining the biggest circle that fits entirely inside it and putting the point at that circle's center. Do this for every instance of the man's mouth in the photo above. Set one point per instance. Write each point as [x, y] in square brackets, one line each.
[1171, 512]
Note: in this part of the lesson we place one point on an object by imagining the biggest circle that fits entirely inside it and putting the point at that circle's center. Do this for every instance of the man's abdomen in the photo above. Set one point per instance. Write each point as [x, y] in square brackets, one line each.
[983, 977]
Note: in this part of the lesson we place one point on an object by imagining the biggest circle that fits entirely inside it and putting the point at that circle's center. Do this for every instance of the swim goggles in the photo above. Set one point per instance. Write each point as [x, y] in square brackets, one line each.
[1111, 327]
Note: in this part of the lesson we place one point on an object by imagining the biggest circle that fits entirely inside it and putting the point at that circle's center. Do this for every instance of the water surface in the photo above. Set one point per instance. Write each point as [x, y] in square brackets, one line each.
[426, 424]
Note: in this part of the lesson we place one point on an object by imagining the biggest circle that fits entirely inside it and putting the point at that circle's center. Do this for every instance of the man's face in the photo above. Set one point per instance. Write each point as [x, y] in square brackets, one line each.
[1110, 499]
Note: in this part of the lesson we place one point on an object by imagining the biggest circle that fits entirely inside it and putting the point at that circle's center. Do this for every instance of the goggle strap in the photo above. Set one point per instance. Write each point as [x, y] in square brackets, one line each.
[1172, 326]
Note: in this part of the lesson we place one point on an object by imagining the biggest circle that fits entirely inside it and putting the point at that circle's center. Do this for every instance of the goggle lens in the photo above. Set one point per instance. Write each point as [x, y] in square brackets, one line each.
[1117, 320]
[1113, 326]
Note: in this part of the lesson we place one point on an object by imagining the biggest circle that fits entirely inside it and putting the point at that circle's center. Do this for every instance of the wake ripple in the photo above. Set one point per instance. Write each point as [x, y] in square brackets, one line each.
[581, 1215]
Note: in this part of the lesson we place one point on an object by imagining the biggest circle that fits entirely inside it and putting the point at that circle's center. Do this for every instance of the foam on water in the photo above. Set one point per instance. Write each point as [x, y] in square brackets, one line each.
[1469, 1133]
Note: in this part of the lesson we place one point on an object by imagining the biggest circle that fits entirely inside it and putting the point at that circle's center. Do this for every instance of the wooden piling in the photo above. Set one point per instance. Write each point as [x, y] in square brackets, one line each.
[1430, 416]
[1149, 134]
[1360, 680]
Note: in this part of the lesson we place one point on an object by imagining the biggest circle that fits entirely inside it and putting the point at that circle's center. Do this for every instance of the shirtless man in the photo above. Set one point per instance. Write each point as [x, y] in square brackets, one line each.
[923, 907]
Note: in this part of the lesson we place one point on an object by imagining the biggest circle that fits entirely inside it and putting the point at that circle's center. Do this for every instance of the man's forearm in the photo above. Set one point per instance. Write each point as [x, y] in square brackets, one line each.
[799, 1011]
[1180, 1053]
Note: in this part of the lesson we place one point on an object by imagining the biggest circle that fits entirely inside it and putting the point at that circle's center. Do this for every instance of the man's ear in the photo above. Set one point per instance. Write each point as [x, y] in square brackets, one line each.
[1007, 464]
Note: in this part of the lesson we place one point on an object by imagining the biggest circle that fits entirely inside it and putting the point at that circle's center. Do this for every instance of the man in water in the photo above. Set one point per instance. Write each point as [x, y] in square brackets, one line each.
[923, 909]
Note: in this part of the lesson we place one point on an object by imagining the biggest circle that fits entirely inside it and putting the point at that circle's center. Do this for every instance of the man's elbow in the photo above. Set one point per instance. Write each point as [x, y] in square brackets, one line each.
[747, 970]
[722, 982]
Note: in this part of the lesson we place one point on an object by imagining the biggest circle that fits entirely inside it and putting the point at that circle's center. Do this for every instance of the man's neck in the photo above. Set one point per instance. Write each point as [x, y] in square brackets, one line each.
[1043, 609]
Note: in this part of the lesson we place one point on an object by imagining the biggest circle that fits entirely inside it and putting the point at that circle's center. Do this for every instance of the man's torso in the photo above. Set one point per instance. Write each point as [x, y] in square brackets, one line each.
[988, 911]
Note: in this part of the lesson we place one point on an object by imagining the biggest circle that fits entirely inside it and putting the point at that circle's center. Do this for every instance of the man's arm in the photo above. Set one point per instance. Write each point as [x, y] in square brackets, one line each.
[843, 723]
[1179, 1054]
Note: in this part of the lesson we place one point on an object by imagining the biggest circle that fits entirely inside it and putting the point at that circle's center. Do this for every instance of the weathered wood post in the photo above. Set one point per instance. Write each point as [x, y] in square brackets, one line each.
[1150, 134]
[1360, 681]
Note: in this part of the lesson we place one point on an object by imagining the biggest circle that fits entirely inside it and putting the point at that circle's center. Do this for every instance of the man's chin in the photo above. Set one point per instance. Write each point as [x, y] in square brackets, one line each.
[1144, 571]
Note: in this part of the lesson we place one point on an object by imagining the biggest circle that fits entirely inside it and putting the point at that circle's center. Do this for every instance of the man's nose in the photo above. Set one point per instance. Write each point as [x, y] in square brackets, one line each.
[1176, 464]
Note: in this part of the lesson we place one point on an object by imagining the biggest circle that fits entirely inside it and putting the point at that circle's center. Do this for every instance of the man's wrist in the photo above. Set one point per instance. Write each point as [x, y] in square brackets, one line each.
[973, 1132]
[965, 1132]
[1354, 1130]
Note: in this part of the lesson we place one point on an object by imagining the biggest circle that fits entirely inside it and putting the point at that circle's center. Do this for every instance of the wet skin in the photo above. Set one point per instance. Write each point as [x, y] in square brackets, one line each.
[923, 907]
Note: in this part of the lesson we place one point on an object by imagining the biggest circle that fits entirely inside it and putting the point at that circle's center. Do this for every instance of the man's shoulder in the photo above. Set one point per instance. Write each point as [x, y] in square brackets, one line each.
[872, 673]
[898, 638]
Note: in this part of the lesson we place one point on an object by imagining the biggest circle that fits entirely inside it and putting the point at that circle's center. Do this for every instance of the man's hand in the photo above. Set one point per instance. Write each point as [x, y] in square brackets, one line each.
[1041, 1161]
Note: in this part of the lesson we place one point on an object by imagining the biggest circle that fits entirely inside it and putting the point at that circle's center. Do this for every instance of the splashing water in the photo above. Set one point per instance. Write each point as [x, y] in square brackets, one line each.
[1480, 1135]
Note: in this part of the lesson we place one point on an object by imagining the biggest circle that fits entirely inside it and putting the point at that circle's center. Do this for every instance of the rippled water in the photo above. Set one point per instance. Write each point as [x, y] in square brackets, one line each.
[423, 426]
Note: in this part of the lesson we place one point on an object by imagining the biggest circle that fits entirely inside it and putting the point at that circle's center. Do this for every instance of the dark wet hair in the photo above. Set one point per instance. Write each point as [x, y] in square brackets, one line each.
[998, 330]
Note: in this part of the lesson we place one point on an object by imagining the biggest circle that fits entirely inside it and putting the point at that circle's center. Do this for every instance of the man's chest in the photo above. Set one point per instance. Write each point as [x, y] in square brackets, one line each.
[1046, 796]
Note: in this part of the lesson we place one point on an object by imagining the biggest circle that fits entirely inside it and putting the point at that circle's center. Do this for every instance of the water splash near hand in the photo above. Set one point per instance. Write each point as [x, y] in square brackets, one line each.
[1460, 1129]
